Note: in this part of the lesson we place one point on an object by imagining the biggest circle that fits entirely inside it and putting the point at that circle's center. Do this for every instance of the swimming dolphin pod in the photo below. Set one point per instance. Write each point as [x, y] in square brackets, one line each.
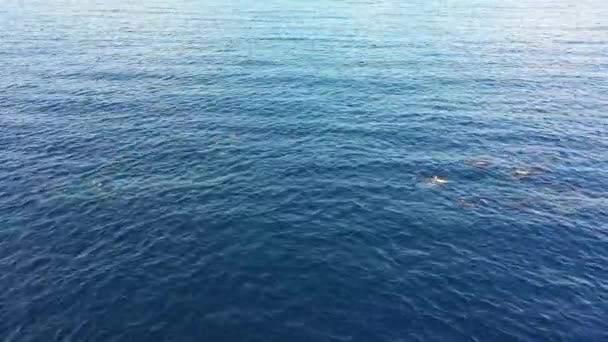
[468, 202]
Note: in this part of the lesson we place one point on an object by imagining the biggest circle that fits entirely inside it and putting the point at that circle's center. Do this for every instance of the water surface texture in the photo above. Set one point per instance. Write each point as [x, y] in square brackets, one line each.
[189, 170]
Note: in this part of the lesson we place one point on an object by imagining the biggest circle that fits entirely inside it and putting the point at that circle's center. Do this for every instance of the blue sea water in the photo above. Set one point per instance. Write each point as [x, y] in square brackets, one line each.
[213, 170]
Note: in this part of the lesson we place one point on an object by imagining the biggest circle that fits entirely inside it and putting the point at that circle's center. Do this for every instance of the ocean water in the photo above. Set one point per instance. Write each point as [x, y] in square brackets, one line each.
[190, 170]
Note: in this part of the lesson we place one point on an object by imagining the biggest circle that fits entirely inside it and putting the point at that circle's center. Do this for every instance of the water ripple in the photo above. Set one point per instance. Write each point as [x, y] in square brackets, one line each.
[230, 171]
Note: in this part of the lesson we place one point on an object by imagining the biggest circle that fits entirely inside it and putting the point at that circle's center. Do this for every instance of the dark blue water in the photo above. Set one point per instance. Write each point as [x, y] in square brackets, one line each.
[189, 170]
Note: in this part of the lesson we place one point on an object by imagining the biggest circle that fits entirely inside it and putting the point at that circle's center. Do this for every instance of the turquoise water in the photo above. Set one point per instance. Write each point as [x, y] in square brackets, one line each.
[215, 170]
